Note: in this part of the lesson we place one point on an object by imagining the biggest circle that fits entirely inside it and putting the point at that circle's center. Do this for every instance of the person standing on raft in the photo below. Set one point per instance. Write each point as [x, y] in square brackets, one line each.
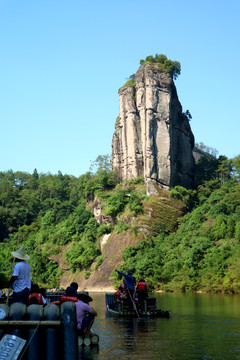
[20, 281]
[141, 292]
[130, 283]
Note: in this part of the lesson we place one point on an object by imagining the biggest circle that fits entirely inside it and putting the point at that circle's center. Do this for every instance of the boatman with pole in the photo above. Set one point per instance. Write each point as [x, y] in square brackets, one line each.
[130, 286]
[21, 277]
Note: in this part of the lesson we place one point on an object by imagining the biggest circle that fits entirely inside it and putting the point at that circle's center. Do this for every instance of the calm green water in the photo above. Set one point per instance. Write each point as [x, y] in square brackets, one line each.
[202, 327]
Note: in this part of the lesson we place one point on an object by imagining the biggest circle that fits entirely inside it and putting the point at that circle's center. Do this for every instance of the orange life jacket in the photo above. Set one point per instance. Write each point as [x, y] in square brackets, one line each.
[38, 296]
[117, 295]
[142, 286]
[68, 298]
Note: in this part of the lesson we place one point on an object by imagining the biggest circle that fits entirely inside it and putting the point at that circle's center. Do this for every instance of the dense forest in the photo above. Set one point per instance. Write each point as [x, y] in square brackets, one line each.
[193, 238]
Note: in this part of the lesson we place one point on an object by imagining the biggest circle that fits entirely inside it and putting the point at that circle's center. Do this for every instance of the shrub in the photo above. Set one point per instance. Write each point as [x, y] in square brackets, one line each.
[121, 227]
[116, 203]
[48, 219]
[171, 67]
[104, 229]
[135, 204]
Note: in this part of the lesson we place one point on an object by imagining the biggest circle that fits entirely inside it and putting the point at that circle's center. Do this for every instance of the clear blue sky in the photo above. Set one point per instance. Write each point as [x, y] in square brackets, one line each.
[62, 63]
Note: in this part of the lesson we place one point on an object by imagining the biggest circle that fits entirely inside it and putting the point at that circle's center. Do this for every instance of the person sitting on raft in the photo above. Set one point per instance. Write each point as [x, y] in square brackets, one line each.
[70, 294]
[74, 287]
[85, 314]
[36, 297]
[141, 292]
[130, 283]
[120, 293]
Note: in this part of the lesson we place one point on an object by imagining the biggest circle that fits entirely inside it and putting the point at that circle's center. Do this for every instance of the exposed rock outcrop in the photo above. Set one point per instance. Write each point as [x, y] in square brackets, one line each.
[153, 137]
[112, 249]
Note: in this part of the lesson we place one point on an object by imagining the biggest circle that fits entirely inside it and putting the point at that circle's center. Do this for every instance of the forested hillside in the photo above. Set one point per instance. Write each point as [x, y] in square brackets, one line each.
[45, 212]
[189, 240]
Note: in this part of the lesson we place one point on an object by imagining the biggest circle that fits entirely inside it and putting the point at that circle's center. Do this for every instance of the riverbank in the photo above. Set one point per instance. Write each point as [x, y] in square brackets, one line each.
[99, 290]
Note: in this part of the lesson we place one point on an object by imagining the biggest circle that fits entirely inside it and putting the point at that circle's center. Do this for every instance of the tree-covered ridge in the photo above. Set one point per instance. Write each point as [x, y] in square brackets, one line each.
[203, 254]
[48, 213]
[45, 212]
[164, 64]
[191, 236]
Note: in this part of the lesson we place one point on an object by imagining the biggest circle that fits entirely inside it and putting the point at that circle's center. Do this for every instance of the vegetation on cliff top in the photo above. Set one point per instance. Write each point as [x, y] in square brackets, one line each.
[164, 64]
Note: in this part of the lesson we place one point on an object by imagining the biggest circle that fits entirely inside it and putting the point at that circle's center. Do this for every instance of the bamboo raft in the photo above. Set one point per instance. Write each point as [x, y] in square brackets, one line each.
[121, 308]
[49, 332]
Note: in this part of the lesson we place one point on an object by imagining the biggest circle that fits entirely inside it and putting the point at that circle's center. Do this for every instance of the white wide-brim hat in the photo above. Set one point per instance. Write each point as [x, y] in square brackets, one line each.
[20, 254]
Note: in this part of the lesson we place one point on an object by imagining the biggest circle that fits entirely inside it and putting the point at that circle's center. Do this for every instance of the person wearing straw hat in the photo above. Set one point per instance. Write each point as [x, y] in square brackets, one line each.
[20, 281]
[85, 314]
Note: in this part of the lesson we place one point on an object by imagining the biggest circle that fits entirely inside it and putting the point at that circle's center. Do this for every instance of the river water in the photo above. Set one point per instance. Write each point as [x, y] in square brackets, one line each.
[202, 326]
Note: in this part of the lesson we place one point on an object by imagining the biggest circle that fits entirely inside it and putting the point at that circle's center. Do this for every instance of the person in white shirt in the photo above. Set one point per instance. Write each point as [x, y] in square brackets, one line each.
[20, 281]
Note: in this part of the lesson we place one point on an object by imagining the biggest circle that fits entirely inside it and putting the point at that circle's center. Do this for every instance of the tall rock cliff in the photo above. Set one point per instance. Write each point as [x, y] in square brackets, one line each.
[152, 136]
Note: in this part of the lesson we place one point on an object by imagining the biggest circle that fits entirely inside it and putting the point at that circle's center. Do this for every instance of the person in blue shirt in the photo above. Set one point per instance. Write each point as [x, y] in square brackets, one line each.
[130, 283]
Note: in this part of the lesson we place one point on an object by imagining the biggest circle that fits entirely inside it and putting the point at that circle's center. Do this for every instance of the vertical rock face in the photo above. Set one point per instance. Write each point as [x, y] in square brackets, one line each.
[153, 137]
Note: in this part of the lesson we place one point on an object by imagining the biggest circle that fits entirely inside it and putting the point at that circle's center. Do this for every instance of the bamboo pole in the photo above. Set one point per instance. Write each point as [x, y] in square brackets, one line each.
[94, 338]
[30, 323]
[87, 341]
[134, 305]
[80, 340]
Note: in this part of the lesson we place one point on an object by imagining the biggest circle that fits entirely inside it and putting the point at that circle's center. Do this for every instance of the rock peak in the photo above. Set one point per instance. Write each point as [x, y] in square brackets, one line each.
[152, 136]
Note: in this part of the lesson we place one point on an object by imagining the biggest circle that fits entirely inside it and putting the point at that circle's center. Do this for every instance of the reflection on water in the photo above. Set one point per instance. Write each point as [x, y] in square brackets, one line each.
[88, 352]
[202, 327]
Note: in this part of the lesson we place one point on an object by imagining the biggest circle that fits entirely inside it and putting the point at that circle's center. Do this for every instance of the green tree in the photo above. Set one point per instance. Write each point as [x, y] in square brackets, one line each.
[102, 163]
[206, 164]
[236, 167]
[224, 169]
